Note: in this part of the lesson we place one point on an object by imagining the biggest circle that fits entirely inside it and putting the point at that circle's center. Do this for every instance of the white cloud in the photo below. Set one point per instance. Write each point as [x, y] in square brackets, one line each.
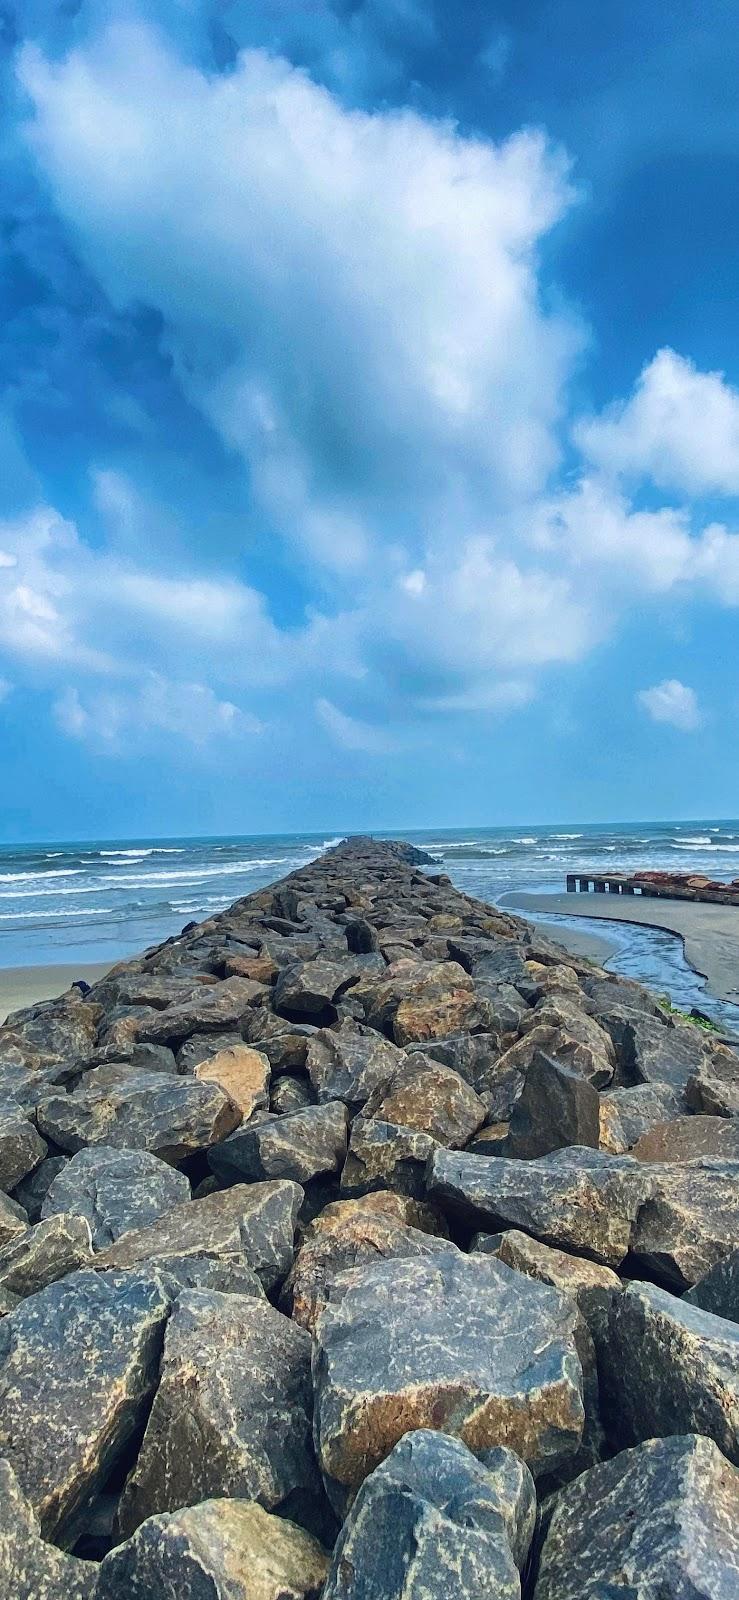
[188, 712]
[352, 734]
[672, 702]
[351, 298]
[680, 428]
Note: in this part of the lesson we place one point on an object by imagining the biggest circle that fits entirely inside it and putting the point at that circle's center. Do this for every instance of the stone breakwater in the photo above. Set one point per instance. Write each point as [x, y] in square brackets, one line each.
[359, 1243]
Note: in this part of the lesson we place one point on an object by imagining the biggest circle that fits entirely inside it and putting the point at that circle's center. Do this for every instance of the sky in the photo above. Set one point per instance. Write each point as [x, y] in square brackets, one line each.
[369, 414]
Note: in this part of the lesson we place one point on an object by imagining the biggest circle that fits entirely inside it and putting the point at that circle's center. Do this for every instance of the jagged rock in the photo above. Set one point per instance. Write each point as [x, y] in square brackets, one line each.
[669, 1367]
[440, 1003]
[348, 1062]
[21, 1148]
[653, 1053]
[290, 1093]
[501, 1085]
[78, 1363]
[506, 1008]
[687, 1138]
[242, 1073]
[309, 989]
[284, 1044]
[457, 1343]
[433, 1099]
[567, 1011]
[232, 1415]
[154, 990]
[609, 994]
[660, 1520]
[251, 1224]
[139, 1057]
[556, 1107]
[581, 1200]
[714, 1089]
[52, 1032]
[207, 1272]
[203, 1047]
[349, 1234]
[491, 1140]
[262, 968]
[171, 1117]
[539, 982]
[469, 1054]
[384, 1156]
[718, 1291]
[116, 1190]
[626, 1114]
[300, 1145]
[13, 1219]
[44, 1253]
[30, 1569]
[432, 1521]
[32, 1190]
[589, 1284]
[220, 1550]
[690, 1220]
[209, 1010]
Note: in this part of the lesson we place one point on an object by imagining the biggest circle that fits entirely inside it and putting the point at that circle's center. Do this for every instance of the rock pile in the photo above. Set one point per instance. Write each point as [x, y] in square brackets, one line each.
[360, 1243]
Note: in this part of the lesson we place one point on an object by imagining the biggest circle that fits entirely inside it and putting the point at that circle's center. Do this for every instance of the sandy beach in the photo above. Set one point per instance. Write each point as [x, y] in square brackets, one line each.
[710, 934]
[22, 986]
[577, 941]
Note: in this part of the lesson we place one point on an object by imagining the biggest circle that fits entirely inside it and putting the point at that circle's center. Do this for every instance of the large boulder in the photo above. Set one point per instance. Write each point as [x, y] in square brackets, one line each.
[432, 1098]
[579, 1200]
[13, 1219]
[44, 1253]
[307, 990]
[78, 1364]
[653, 1053]
[171, 1117]
[115, 1190]
[457, 1343]
[21, 1148]
[690, 1221]
[431, 1521]
[232, 1415]
[349, 1234]
[348, 1062]
[659, 1521]
[718, 1290]
[688, 1138]
[556, 1107]
[589, 1284]
[220, 1550]
[626, 1114]
[31, 1569]
[243, 1074]
[301, 1145]
[210, 1009]
[250, 1225]
[669, 1367]
[382, 1155]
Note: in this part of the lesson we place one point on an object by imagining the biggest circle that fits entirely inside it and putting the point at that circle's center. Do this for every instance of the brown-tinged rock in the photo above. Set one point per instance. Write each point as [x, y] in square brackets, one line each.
[382, 1155]
[433, 1099]
[243, 1074]
[220, 1550]
[687, 1138]
[626, 1114]
[250, 1224]
[21, 1147]
[170, 1117]
[349, 1234]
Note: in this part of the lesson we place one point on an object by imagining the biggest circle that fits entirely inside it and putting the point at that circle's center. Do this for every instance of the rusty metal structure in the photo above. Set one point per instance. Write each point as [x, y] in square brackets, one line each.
[657, 886]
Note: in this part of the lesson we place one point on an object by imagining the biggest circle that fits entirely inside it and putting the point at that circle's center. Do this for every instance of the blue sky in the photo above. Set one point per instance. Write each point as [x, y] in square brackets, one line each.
[369, 414]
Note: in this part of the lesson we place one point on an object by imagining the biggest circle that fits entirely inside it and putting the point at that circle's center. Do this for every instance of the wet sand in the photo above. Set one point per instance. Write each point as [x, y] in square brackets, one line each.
[710, 934]
[579, 942]
[23, 986]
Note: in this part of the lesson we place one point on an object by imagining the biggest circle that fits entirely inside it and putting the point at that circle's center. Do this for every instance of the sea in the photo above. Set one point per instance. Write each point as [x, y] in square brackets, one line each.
[77, 903]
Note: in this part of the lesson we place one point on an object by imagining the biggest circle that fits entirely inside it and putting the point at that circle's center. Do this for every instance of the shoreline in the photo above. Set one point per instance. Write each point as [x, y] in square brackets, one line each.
[709, 933]
[26, 986]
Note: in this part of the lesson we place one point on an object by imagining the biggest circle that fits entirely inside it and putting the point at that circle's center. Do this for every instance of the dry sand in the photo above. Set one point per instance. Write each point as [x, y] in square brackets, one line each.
[22, 986]
[710, 934]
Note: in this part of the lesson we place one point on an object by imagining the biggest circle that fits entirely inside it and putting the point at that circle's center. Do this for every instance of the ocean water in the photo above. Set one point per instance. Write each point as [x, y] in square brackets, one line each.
[105, 899]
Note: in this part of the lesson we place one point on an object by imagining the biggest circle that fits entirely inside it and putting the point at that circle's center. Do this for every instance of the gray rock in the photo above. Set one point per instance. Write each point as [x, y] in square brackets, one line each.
[299, 1145]
[424, 1094]
[171, 1117]
[457, 1343]
[52, 1033]
[21, 1148]
[714, 1088]
[30, 1569]
[626, 1114]
[556, 1107]
[433, 1521]
[250, 1225]
[214, 1009]
[13, 1219]
[43, 1254]
[658, 1521]
[207, 1272]
[232, 1415]
[290, 1093]
[308, 990]
[668, 1367]
[580, 1200]
[469, 1054]
[220, 1550]
[384, 1156]
[78, 1363]
[202, 1046]
[33, 1189]
[718, 1291]
[590, 1285]
[653, 1053]
[116, 1190]
[348, 1062]
[690, 1220]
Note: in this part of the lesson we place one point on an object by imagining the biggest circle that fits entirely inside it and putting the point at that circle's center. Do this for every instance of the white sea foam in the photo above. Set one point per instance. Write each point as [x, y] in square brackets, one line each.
[27, 877]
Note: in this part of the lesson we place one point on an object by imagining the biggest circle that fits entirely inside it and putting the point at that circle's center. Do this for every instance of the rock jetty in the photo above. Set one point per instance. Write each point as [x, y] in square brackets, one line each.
[359, 1243]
